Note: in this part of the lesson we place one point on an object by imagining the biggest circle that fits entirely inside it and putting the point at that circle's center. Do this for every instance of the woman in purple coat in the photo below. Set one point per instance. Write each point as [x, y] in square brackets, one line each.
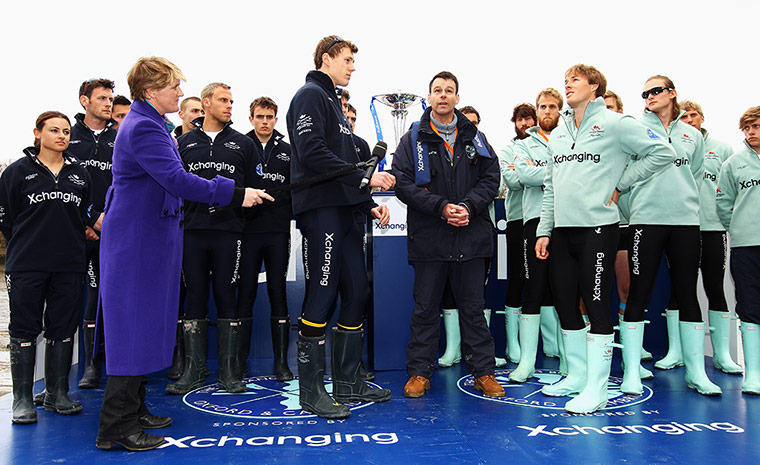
[141, 251]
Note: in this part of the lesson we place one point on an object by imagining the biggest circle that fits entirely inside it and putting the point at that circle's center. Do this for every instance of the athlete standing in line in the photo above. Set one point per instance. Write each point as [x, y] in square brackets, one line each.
[266, 238]
[523, 117]
[322, 143]
[665, 218]
[586, 173]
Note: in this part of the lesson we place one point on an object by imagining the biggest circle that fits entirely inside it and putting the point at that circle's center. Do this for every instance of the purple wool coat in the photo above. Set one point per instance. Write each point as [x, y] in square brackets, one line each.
[141, 243]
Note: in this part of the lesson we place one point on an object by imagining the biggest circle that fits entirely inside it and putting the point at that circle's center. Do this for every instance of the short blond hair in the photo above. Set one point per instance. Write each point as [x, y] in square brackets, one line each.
[687, 105]
[749, 116]
[208, 91]
[152, 73]
[553, 93]
[592, 75]
[616, 97]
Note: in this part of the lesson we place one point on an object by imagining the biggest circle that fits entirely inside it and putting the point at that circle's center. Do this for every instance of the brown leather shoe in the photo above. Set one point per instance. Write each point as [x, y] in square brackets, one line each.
[489, 386]
[417, 385]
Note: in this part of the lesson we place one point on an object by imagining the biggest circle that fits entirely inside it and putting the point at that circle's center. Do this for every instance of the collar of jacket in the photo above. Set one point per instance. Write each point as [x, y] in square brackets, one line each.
[32, 152]
[593, 108]
[533, 132]
[465, 127]
[198, 123]
[146, 109]
[79, 120]
[276, 136]
[651, 120]
[322, 80]
[705, 134]
[751, 150]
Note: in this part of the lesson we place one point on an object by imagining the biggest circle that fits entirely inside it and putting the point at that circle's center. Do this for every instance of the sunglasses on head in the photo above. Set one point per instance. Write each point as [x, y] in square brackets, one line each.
[654, 91]
[336, 40]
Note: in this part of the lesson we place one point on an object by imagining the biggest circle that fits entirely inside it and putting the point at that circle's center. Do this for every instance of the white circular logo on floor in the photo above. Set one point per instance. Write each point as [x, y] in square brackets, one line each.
[528, 394]
[265, 398]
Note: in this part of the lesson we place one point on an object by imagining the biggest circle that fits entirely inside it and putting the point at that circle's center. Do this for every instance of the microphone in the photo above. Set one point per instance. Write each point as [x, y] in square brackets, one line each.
[378, 153]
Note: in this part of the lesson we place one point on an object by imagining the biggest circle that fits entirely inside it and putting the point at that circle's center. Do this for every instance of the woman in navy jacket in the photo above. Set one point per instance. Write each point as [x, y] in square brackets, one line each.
[44, 198]
[141, 251]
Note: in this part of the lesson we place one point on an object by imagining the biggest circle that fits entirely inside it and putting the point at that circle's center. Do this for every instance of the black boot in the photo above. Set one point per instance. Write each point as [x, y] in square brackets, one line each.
[91, 377]
[228, 345]
[178, 357]
[22, 372]
[280, 338]
[365, 374]
[57, 365]
[311, 380]
[196, 344]
[348, 385]
[245, 346]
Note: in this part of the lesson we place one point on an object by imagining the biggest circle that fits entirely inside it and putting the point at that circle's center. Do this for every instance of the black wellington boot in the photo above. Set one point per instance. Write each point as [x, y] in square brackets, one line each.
[91, 377]
[57, 365]
[311, 380]
[196, 344]
[280, 339]
[178, 357]
[228, 346]
[245, 346]
[348, 385]
[22, 373]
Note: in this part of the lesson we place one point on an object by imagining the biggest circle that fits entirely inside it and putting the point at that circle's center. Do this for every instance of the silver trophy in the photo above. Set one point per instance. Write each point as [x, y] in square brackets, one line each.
[399, 102]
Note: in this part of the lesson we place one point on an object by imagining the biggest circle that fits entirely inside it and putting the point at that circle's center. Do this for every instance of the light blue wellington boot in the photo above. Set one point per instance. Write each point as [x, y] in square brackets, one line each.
[751, 345]
[549, 324]
[632, 337]
[575, 353]
[453, 353]
[643, 372]
[693, 346]
[674, 357]
[720, 326]
[512, 318]
[598, 362]
[528, 348]
[499, 362]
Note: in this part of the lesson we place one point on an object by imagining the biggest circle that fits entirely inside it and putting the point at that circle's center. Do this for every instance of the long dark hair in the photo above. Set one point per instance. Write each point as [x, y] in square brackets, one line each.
[44, 117]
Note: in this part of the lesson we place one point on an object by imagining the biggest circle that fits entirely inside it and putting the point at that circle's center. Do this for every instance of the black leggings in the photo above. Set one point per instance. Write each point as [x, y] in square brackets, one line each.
[93, 279]
[713, 265]
[745, 269]
[217, 252]
[537, 293]
[681, 245]
[583, 261]
[334, 262]
[40, 300]
[273, 249]
[515, 264]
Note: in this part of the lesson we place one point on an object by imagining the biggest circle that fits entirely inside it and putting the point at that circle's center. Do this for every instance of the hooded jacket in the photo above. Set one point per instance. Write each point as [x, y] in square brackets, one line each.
[738, 197]
[322, 142]
[672, 196]
[230, 155]
[472, 181]
[43, 215]
[589, 162]
[95, 152]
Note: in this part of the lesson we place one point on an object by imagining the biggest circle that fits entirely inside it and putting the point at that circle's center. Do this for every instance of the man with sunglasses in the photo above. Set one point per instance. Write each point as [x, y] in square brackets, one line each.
[322, 143]
[586, 172]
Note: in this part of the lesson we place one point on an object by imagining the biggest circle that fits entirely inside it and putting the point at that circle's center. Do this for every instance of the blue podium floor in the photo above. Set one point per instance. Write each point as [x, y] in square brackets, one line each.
[452, 424]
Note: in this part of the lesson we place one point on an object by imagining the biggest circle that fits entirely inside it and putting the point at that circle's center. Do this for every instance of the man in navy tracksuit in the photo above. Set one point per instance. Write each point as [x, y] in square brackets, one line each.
[448, 176]
[334, 258]
[92, 140]
[213, 243]
[266, 236]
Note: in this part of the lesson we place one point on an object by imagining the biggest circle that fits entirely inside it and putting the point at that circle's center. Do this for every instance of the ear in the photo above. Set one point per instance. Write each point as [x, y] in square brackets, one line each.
[457, 102]
[83, 100]
[596, 87]
[275, 121]
[250, 118]
[37, 133]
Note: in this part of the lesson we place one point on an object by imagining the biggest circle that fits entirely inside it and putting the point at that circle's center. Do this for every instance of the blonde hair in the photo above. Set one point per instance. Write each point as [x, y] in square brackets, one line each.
[152, 73]
[553, 93]
[208, 91]
[687, 105]
[749, 116]
[613, 95]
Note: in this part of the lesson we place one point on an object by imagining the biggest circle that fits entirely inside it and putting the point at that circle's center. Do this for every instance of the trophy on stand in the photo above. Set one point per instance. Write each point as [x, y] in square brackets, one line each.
[399, 103]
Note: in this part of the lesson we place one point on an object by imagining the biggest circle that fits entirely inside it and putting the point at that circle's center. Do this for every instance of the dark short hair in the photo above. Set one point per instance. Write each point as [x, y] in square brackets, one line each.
[91, 84]
[331, 45]
[263, 102]
[447, 75]
[524, 110]
[351, 108]
[344, 93]
[121, 100]
[471, 110]
[40, 123]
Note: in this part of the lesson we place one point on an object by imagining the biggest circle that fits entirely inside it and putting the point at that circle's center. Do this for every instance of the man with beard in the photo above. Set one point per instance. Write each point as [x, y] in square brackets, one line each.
[523, 117]
[447, 176]
[531, 159]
